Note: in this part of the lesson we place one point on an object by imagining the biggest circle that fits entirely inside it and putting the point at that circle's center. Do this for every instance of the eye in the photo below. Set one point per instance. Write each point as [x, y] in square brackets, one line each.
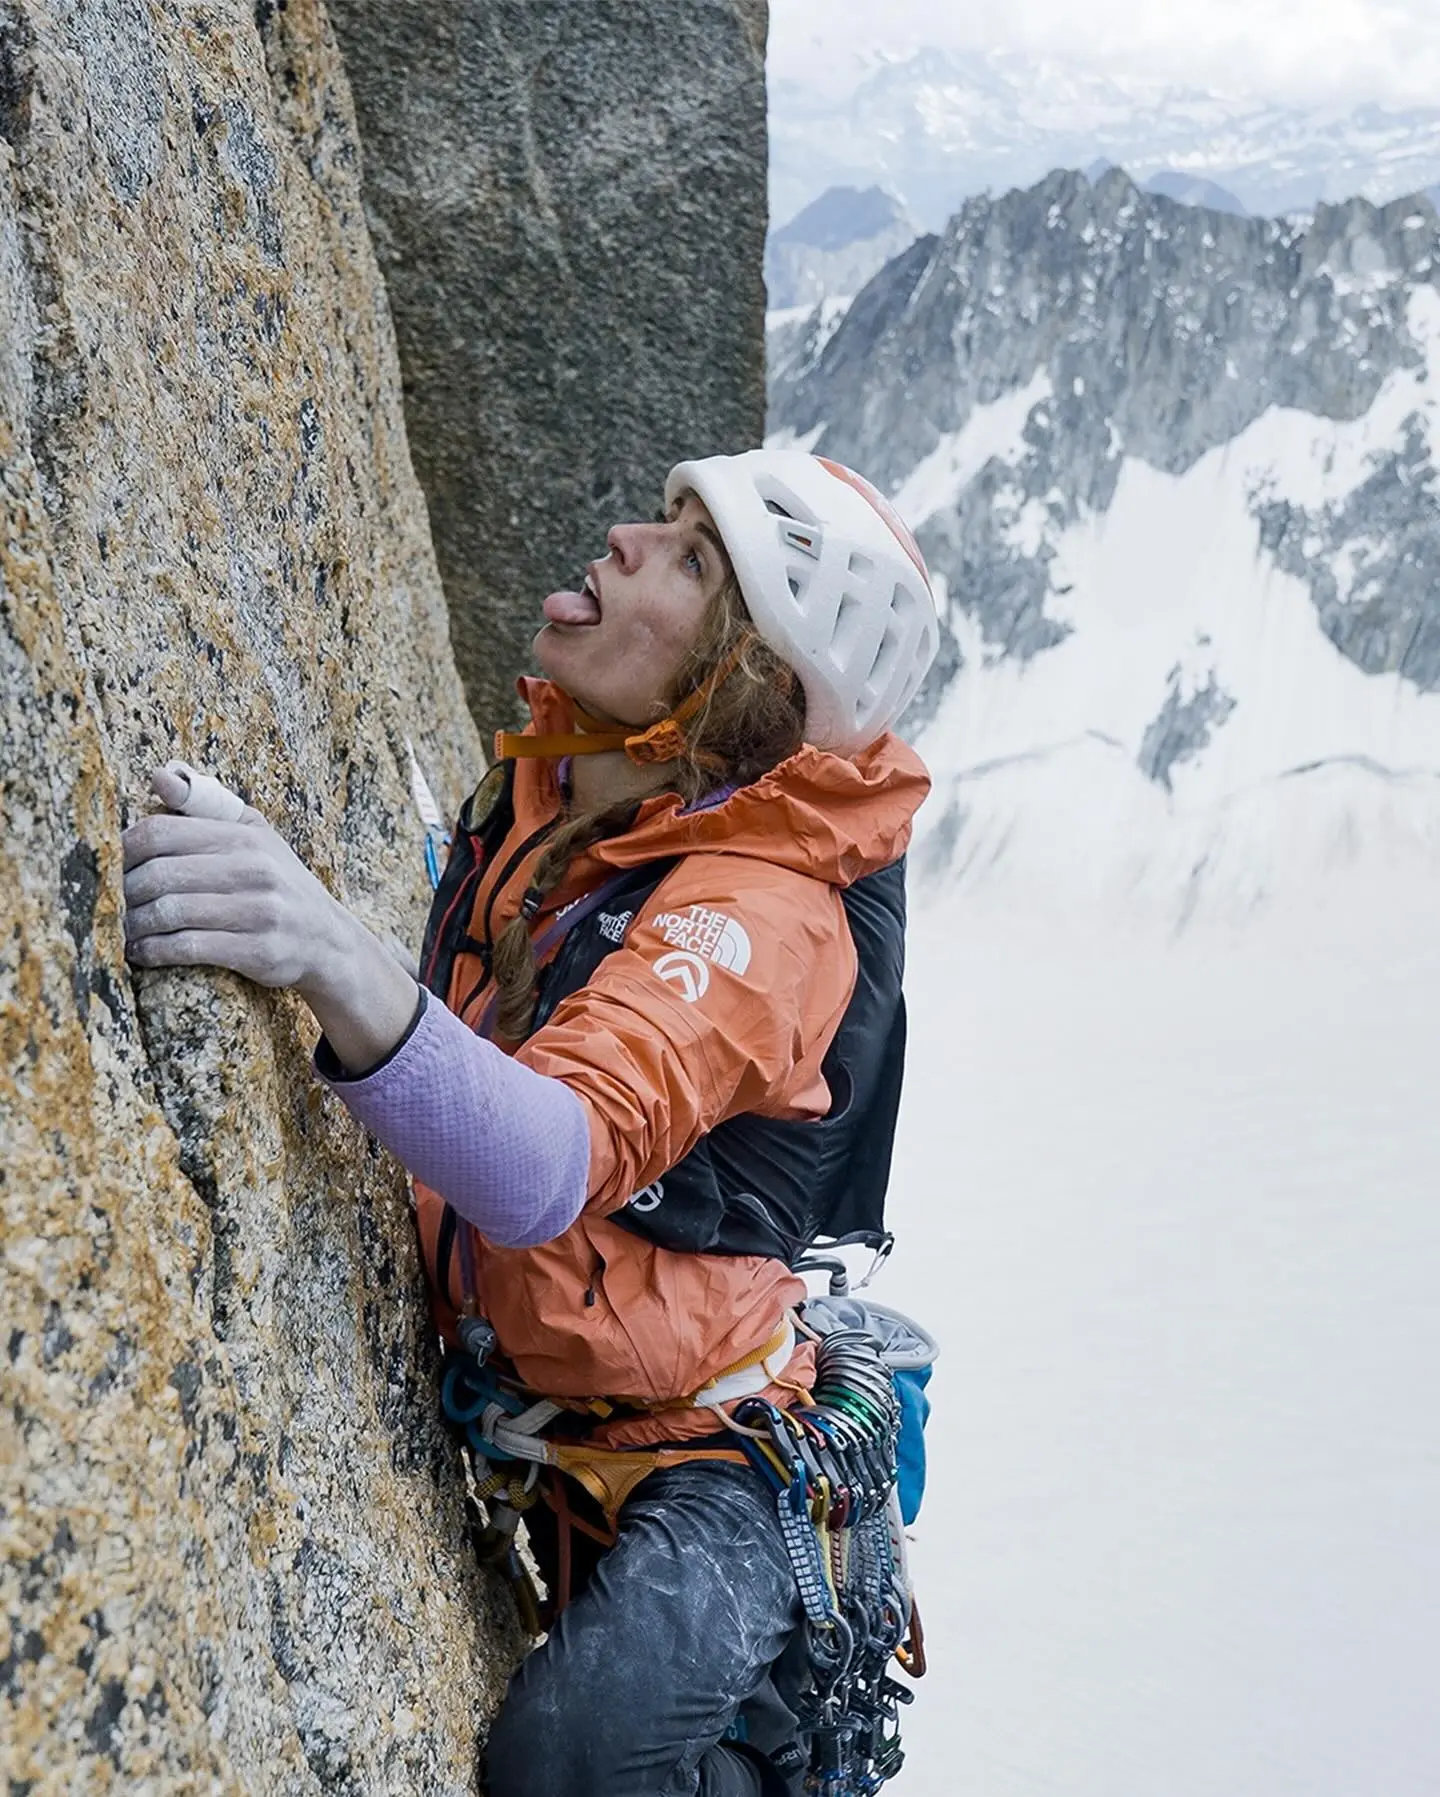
[695, 562]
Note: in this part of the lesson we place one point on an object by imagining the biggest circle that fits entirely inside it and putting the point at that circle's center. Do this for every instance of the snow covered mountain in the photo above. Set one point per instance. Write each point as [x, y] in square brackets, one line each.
[835, 245]
[942, 125]
[1175, 472]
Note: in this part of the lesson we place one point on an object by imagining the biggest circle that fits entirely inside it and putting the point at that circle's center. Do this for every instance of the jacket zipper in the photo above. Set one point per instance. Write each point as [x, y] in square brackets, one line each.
[597, 1273]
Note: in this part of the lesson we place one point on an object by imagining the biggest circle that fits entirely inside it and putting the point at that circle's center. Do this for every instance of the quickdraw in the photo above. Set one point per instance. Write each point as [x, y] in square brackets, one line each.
[832, 1466]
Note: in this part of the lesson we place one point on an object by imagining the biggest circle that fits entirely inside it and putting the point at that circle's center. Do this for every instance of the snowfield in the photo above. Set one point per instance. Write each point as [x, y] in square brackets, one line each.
[1172, 1209]
[1313, 763]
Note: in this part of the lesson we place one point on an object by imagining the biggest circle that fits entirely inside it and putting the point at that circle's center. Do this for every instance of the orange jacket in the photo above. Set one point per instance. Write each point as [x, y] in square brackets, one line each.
[722, 1000]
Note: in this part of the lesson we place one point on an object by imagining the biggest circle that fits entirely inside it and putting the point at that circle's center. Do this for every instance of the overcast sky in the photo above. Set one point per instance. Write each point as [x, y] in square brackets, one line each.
[1342, 50]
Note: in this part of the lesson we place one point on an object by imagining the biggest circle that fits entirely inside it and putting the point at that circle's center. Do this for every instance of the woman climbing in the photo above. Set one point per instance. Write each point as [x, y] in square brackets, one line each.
[621, 1087]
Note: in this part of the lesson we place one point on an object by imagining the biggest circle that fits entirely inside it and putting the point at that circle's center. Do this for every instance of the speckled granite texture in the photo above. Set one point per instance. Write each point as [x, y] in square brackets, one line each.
[233, 1538]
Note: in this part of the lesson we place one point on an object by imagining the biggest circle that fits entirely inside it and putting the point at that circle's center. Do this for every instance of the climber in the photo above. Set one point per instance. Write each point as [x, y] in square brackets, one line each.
[612, 1086]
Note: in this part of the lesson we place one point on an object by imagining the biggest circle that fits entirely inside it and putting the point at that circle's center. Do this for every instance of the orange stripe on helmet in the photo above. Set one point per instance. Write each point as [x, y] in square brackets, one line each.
[884, 508]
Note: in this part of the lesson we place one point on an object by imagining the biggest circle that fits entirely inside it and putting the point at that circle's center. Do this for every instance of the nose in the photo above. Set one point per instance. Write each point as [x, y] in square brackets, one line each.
[627, 544]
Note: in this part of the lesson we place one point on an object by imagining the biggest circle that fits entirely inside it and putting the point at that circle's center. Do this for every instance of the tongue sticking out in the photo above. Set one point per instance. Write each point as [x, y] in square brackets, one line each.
[572, 608]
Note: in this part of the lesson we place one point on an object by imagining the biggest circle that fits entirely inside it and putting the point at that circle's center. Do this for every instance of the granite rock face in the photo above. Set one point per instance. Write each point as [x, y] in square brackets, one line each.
[234, 1552]
[569, 208]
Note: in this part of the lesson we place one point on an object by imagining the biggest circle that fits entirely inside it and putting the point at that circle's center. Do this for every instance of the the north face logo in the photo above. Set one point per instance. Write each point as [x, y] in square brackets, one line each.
[613, 925]
[709, 934]
[650, 1198]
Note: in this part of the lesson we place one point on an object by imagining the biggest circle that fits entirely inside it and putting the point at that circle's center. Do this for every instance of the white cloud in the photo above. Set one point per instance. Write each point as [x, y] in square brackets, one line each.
[1346, 51]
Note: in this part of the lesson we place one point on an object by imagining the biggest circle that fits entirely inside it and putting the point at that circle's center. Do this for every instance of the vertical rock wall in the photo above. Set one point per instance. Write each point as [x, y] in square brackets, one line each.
[233, 1557]
[569, 205]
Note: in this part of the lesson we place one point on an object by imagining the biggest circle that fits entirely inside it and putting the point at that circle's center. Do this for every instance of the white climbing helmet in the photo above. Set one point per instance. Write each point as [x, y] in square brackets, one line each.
[833, 580]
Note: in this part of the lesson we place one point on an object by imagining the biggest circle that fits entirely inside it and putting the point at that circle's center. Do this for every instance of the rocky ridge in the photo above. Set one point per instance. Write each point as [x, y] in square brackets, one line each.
[1161, 332]
[1016, 381]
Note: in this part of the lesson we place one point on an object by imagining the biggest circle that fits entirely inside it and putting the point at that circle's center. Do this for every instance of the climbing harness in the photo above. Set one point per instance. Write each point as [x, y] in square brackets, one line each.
[508, 1426]
[832, 1464]
[501, 1423]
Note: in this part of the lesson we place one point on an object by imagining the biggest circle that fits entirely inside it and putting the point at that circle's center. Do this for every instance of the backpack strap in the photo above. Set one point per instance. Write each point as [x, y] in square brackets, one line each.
[483, 824]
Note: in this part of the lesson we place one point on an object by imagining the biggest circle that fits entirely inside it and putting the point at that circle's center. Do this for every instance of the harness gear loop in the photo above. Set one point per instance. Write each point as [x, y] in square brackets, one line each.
[665, 741]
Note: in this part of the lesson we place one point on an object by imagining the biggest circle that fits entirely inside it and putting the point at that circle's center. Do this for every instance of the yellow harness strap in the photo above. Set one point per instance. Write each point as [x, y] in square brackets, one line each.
[611, 1474]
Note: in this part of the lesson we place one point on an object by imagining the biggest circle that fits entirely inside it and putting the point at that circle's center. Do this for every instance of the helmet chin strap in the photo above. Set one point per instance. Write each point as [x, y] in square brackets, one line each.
[665, 741]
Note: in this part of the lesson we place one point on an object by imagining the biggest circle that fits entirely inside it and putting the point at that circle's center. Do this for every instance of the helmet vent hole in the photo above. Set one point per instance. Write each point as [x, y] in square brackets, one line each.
[861, 565]
[849, 621]
[794, 587]
[801, 539]
[885, 659]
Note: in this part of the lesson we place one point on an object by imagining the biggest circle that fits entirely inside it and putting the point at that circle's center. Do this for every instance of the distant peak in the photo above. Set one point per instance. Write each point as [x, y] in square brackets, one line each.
[846, 215]
[1194, 190]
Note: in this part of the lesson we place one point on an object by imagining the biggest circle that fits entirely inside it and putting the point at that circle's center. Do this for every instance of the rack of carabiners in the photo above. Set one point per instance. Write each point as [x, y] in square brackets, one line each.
[831, 1464]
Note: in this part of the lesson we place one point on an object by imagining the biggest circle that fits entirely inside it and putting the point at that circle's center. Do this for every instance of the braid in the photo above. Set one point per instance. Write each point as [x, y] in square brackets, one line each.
[514, 963]
[751, 721]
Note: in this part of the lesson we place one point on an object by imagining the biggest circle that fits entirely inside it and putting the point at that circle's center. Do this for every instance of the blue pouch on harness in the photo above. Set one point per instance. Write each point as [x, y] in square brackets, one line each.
[910, 1383]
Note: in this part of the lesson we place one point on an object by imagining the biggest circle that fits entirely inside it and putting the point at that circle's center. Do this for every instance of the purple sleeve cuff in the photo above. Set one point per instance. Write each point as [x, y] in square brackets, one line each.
[508, 1147]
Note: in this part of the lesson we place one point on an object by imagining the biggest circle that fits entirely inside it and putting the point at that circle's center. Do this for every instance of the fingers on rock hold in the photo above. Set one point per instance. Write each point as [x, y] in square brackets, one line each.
[187, 948]
[205, 795]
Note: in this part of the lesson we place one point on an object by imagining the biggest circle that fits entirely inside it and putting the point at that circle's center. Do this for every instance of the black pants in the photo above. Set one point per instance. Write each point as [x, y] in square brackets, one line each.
[675, 1628]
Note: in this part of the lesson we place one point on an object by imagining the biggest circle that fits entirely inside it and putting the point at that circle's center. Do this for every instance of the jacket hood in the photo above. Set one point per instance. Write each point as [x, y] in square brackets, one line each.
[834, 817]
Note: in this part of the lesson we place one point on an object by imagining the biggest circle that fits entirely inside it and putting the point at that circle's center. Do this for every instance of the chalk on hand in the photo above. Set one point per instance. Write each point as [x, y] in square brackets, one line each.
[207, 797]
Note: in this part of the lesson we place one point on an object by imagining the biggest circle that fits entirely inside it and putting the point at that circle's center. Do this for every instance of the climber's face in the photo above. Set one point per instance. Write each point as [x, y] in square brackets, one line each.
[618, 643]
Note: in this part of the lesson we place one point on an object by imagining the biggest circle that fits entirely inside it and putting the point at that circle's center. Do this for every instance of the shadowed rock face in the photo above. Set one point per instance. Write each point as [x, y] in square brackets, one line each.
[569, 207]
[234, 1555]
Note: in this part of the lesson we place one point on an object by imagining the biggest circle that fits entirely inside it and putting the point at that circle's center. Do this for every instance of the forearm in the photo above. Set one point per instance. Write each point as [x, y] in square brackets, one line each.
[362, 998]
[508, 1147]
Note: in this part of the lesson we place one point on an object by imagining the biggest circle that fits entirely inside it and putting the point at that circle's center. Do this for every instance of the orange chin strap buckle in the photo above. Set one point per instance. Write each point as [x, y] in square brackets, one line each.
[664, 741]
[661, 742]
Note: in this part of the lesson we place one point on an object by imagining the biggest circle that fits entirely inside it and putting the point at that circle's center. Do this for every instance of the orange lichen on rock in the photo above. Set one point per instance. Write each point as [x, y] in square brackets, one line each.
[234, 1543]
